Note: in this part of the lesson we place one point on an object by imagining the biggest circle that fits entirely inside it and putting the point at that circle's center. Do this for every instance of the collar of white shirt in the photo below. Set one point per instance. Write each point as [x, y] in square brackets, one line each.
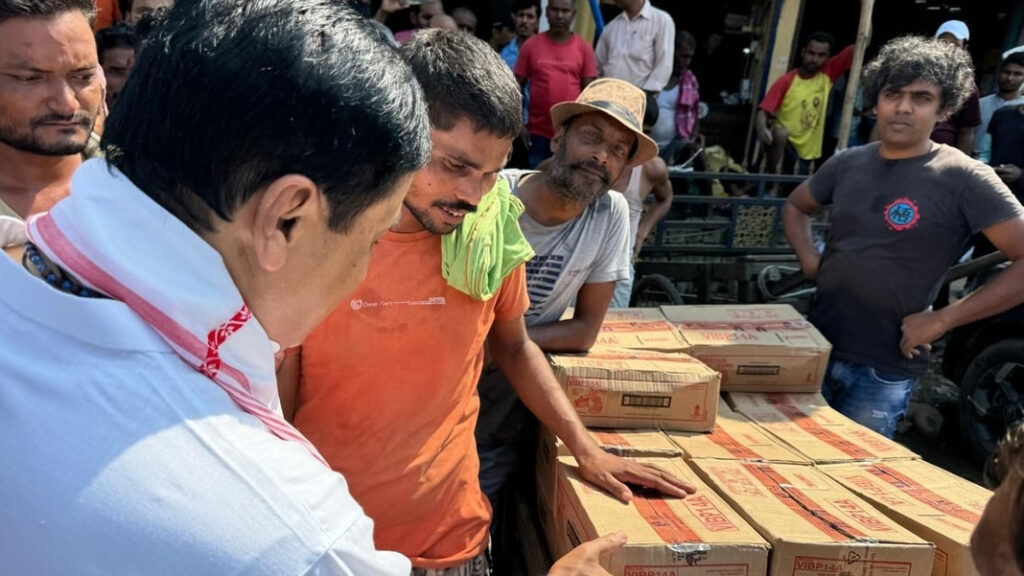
[645, 12]
[117, 240]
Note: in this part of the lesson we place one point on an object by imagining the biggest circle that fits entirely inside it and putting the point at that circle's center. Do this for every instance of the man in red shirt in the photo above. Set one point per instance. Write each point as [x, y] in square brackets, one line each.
[558, 64]
[958, 129]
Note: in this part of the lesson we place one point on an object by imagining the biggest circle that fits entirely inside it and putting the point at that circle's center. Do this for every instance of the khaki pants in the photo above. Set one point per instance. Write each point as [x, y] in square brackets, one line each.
[479, 566]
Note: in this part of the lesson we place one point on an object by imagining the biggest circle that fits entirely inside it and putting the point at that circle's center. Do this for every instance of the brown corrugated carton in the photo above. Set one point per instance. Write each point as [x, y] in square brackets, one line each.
[815, 526]
[638, 329]
[633, 389]
[696, 536]
[806, 424]
[757, 348]
[626, 443]
[930, 502]
[734, 438]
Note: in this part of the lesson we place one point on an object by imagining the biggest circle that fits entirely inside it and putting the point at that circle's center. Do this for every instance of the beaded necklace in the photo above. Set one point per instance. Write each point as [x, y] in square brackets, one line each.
[54, 275]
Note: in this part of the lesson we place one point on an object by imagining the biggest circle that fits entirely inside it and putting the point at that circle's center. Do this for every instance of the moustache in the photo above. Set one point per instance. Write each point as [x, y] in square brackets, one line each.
[457, 206]
[594, 167]
[81, 117]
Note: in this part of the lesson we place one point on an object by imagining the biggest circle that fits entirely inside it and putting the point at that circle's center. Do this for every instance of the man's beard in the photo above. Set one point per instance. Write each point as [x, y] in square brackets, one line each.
[572, 184]
[29, 142]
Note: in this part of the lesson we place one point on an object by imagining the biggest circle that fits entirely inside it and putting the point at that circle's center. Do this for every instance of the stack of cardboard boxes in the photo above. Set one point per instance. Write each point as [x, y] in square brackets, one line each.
[726, 397]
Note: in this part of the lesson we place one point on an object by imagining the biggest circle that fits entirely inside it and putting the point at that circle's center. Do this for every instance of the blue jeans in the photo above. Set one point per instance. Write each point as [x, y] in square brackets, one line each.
[871, 397]
[540, 149]
[624, 290]
[497, 464]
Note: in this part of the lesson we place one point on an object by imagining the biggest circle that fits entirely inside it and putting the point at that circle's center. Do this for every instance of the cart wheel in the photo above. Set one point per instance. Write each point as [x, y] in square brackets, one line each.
[992, 396]
[654, 290]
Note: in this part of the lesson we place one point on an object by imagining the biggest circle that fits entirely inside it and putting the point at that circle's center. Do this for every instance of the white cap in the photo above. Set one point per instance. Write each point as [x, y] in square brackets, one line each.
[1012, 51]
[957, 28]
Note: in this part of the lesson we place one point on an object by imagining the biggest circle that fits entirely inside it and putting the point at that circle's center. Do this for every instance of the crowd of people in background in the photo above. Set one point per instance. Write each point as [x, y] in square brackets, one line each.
[249, 243]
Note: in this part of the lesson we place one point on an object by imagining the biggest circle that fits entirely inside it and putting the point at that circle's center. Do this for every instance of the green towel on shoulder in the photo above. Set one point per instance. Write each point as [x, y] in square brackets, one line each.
[488, 245]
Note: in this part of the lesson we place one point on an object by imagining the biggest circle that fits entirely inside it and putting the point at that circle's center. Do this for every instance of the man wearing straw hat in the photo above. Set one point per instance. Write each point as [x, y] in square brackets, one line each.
[579, 230]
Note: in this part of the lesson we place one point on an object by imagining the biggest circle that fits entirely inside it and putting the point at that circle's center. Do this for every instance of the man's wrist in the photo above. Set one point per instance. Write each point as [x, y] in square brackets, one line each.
[947, 317]
[582, 444]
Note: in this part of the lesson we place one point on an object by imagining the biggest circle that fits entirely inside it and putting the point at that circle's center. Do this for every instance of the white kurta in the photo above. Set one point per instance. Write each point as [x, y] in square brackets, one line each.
[117, 456]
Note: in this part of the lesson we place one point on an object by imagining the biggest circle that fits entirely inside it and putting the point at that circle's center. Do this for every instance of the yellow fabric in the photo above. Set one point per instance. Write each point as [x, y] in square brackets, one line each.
[585, 26]
[803, 114]
[488, 245]
[716, 159]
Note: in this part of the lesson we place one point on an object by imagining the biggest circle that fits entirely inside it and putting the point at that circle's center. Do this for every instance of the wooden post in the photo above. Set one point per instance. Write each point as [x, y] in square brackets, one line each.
[853, 81]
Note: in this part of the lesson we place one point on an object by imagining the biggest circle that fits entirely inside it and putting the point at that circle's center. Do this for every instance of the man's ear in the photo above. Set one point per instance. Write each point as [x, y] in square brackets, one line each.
[285, 211]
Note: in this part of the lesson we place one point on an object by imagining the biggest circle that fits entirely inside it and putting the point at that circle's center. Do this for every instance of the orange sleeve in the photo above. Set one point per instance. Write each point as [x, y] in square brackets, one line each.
[512, 300]
[773, 99]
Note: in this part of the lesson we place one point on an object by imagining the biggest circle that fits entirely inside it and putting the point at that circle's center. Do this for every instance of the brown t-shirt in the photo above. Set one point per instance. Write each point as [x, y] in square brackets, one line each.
[968, 116]
[896, 227]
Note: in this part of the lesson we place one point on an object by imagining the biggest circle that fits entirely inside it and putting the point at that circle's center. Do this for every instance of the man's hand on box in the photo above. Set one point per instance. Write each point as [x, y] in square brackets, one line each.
[611, 473]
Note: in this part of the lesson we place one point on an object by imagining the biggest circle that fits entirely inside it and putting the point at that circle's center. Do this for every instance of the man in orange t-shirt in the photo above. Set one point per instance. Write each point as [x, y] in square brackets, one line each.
[386, 387]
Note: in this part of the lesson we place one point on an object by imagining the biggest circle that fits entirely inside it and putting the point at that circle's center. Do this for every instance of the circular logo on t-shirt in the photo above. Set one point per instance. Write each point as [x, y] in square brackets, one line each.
[902, 214]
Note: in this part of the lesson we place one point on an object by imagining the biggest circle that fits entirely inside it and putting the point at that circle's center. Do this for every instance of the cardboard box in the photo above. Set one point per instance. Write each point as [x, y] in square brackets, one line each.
[806, 424]
[757, 348]
[638, 329]
[696, 536]
[621, 442]
[930, 502]
[734, 438]
[626, 443]
[633, 389]
[815, 526]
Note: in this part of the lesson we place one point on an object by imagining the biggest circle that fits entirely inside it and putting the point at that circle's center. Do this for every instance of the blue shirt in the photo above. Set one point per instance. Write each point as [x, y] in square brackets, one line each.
[510, 54]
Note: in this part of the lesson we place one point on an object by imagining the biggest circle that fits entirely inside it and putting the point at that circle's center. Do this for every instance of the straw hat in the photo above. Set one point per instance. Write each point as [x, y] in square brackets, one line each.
[620, 101]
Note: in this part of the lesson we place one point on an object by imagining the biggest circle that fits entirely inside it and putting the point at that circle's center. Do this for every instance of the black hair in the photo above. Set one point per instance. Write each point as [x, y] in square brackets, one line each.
[230, 95]
[45, 8]
[146, 27]
[464, 78]
[907, 59]
[526, 5]
[651, 111]
[1014, 58]
[686, 39]
[120, 35]
[821, 37]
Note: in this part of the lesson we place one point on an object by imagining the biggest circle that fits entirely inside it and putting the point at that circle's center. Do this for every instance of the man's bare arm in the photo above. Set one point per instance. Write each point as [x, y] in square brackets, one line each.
[656, 172]
[764, 133]
[796, 219]
[1003, 293]
[523, 363]
[578, 333]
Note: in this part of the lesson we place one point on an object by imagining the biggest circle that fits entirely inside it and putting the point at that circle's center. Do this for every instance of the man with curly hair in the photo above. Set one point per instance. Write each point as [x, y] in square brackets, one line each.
[997, 544]
[903, 210]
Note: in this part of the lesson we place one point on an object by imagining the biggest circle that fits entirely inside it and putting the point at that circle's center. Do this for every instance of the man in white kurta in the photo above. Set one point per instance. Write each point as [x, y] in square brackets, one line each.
[140, 426]
[119, 456]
